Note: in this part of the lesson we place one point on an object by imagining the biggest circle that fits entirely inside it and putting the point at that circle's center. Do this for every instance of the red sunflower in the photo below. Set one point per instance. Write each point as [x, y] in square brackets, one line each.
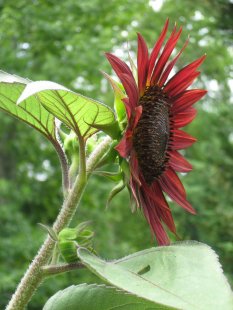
[157, 107]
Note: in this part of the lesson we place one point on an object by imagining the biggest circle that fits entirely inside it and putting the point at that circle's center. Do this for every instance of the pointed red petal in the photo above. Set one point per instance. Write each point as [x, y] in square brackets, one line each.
[127, 107]
[154, 220]
[125, 75]
[178, 162]
[118, 65]
[170, 45]
[184, 84]
[181, 139]
[130, 88]
[125, 145]
[187, 99]
[165, 212]
[171, 65]
[137, 115]
[183, 74]
[184, 118]
[156, 49]
[171, 184]
[142, 62]
[155, 194]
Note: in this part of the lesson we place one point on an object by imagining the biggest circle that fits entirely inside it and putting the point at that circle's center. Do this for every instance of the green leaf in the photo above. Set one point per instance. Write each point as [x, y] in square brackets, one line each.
[74, 110]
[30, 111]
[185, 275]
[97, 297]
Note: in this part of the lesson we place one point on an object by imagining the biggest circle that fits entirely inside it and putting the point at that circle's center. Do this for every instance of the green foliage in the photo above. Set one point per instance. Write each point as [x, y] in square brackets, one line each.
[186, 275]
[74, 110]
[31, 111]
[65, 43]
[97, 297]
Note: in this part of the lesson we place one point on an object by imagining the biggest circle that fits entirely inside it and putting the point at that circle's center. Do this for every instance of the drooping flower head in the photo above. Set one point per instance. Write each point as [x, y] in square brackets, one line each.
[157, 107]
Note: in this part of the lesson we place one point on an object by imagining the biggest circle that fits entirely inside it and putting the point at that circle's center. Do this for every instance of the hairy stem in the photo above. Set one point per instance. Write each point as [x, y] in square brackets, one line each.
[64, 168]
[61, 268]
[34, 275]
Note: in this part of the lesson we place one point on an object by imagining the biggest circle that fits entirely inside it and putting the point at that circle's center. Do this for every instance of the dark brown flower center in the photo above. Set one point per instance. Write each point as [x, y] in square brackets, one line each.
[152, 133]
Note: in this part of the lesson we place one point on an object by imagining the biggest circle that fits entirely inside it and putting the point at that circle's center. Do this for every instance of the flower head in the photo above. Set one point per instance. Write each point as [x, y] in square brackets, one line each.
[157, 107]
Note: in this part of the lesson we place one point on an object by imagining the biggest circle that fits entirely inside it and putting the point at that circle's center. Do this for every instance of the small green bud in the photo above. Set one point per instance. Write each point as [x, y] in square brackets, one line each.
[68, 251]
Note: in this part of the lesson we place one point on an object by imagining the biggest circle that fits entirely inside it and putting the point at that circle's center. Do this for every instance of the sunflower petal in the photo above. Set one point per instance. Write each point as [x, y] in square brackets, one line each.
[130, 88]
[171, 184]
[184, 118]
[156, 50]
[125, 145]
[142, 62]
[118, 65]
[179, 163]
[169, 47]
[154, 220]
[188, 98]
[171, 65]
[183, 74]
[181, 139]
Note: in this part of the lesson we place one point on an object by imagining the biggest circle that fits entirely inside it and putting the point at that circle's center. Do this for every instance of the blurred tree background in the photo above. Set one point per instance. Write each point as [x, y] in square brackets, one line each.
[65, 41]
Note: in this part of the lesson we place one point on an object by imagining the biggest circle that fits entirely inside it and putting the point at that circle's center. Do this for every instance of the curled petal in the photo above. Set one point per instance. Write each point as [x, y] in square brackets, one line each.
[124, 147]
[118, 65]
[137, 115]
[130, 88]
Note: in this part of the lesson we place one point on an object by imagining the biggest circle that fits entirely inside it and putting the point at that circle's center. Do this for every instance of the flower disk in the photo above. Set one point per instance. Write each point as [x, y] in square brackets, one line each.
[152, 134]
[157, 107]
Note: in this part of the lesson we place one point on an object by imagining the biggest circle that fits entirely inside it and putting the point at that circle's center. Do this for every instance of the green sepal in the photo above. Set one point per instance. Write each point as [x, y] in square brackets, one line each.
[50, 231]
[118, 96]
[116, 190]
[67, 234]
[69, 239]
[112, 176]
[113, 129]
[125, 169]
[72, 233]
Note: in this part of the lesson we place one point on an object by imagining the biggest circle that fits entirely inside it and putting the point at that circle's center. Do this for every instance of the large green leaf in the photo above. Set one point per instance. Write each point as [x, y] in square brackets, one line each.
[96, 297]
[30, 111]
[185, 275]
[74, 110]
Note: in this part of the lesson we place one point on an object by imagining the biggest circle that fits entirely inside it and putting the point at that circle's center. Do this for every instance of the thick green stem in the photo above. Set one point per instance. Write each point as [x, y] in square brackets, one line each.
[34, 275]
